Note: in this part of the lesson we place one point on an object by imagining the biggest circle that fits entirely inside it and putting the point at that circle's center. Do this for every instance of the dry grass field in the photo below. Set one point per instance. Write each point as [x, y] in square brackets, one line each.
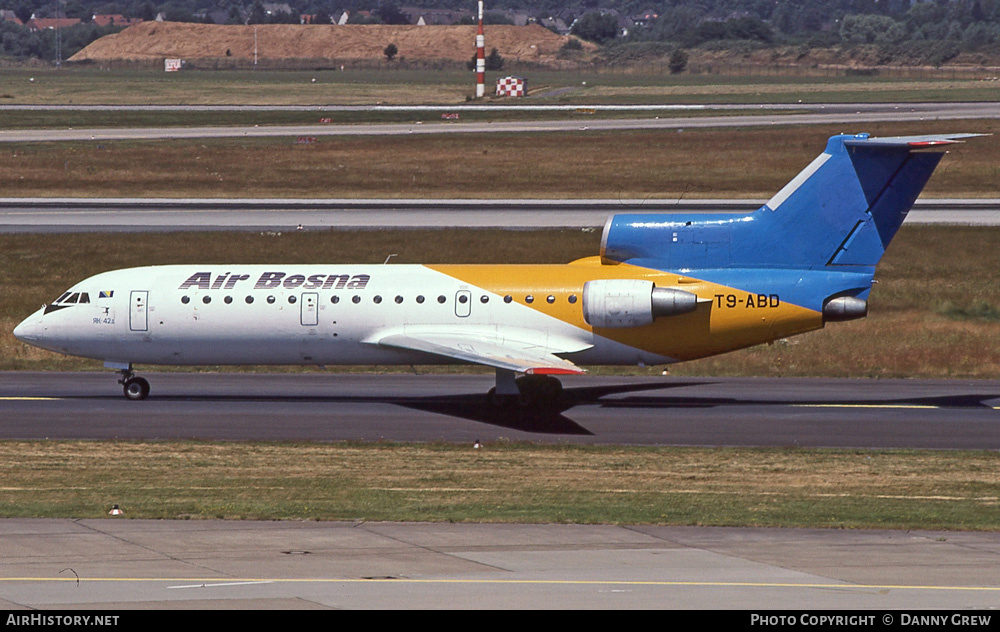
[321, 85]
[503, 482]
[709, 163]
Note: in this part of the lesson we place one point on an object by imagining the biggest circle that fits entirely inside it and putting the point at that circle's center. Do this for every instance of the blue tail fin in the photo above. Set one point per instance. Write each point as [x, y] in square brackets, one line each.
[840, 212]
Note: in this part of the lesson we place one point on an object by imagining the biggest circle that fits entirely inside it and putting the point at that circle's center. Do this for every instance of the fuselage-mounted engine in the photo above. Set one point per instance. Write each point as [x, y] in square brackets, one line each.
[620, 303]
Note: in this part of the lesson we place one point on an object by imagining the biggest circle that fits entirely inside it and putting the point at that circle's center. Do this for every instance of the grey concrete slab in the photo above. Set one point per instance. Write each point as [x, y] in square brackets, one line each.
[857, 556]
[291, 565]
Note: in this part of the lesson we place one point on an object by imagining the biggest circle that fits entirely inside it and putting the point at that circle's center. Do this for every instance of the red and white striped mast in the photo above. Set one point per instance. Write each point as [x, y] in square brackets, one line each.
[480, 57]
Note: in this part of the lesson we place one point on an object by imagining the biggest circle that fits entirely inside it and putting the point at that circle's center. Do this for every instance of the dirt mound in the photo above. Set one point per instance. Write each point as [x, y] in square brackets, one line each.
[157, 40]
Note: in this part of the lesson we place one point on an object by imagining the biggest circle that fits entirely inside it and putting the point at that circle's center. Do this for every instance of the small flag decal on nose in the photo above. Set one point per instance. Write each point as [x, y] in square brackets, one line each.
[106, 294]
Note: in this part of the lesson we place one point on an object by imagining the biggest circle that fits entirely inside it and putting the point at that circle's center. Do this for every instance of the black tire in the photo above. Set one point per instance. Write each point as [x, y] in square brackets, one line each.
[551, 389]
[500, 402]
[136, 389]
[539, 390]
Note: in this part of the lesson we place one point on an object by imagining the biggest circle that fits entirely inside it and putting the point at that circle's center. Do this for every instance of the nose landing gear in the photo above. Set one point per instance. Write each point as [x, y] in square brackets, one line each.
[135, 388]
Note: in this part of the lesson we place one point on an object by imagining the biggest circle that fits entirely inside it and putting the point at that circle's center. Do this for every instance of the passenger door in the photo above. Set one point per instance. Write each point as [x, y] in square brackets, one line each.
[138, 313]
[309, 316]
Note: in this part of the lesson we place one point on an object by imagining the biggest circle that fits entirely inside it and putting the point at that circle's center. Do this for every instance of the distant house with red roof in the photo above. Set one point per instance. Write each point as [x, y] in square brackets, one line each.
[6, 15]
[40, 24]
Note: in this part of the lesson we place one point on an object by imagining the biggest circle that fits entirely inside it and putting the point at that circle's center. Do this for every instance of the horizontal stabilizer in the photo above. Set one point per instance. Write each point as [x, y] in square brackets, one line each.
[911, 142]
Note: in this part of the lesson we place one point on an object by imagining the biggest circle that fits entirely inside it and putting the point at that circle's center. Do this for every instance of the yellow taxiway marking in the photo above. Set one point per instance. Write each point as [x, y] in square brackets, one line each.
[883, 406]
[902, 406]
[194, 582]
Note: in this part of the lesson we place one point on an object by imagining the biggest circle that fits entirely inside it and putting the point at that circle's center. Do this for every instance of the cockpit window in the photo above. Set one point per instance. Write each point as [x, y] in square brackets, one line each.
[67, 299]
[72, 298]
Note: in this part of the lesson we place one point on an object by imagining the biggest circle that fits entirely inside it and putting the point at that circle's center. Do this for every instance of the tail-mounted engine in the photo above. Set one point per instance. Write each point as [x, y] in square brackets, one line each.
[844, 308]
[619, 303]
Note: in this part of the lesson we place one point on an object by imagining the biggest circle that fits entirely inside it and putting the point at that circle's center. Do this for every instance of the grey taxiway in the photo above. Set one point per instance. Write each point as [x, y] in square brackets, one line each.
[72, 215]
[762, 115]
[936, 414]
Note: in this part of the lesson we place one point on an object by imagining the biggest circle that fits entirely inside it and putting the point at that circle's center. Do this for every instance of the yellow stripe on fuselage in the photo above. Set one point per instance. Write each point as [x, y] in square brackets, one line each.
[726, 318]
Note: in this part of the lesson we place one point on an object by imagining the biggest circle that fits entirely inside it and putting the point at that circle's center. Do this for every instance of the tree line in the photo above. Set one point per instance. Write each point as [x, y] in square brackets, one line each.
[931, 31]
[922, 31]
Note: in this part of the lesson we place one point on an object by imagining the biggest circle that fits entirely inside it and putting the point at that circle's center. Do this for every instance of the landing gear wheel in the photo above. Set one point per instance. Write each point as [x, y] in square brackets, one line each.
[136, 388]
[499, 401]
[534, 391]
[539, 390]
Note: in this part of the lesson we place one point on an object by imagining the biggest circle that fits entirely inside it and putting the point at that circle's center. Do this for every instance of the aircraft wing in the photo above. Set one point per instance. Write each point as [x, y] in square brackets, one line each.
[523, 351]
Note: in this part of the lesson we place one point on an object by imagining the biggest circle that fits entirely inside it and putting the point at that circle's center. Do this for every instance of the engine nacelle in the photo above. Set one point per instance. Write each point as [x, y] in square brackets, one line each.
[844, 308]
[620, 303]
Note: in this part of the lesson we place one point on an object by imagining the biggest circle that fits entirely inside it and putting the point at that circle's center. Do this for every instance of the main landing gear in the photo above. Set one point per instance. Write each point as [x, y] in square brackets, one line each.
[135, 388]
[530, 391]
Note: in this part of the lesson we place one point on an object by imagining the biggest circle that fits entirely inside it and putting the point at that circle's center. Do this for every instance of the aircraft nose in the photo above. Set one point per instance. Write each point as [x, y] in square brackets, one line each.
[28, 330]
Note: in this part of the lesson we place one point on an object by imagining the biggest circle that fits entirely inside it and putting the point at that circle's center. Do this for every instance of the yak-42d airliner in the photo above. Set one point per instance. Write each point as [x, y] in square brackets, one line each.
[665, 288]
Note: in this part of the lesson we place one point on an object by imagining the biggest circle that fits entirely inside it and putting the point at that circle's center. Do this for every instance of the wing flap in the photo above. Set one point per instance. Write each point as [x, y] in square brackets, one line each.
[511, 350]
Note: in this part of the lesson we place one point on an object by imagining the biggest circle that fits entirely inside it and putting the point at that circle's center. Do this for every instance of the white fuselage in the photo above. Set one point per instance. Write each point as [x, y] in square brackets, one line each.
[296, 314]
